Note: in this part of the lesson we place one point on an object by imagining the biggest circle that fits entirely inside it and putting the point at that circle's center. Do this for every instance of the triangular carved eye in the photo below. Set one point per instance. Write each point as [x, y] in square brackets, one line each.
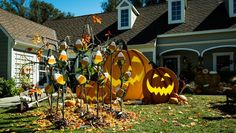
[154, 76]
[166, 75]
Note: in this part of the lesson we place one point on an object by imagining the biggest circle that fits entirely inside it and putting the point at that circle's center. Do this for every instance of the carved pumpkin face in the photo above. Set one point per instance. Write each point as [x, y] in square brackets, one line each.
[91, 89]
[158, 84]
[137, 64]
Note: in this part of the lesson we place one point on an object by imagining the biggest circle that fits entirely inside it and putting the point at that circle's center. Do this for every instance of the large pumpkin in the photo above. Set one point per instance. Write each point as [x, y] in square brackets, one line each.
[159, 84]
[91, 89]
[135, 62]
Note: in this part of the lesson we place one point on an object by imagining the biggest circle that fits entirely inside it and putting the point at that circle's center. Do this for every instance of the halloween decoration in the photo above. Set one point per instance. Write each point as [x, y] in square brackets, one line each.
[158, 85]
[63, 56]
[59, 79]
[51, 60]
[136, 63]
[92, 93]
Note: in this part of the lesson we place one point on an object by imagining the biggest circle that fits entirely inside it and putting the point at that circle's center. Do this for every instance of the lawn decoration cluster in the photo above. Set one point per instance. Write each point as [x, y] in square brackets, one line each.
[99, 74]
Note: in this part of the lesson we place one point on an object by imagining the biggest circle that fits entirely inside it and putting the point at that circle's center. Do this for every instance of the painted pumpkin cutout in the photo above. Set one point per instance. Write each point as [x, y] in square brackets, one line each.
[91, 89]
[159, 84]
[137, 64]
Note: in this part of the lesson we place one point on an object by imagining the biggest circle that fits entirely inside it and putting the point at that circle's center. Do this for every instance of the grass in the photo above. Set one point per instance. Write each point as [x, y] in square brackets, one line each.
[202, 114]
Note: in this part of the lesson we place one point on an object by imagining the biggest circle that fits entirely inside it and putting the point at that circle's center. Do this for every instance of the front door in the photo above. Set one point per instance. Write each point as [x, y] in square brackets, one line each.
[172, 63]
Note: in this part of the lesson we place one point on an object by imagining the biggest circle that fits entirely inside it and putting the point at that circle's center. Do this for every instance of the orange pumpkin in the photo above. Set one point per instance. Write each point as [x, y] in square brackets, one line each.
[137, 64]
[159, 84]
[91, 89]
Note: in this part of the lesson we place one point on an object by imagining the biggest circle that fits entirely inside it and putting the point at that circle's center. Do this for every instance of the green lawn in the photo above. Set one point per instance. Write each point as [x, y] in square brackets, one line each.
[202, 114]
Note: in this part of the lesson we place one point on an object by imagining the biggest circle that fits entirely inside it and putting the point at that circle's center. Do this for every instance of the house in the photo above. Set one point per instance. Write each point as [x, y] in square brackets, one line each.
[176, 33]
[14, 40]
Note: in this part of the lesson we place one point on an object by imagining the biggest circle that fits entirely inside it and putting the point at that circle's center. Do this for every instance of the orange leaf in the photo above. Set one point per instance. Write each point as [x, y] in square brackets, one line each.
[97, 19]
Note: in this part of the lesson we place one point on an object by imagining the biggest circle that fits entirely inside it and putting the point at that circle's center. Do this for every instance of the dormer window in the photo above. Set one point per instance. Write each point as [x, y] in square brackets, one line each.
[124, 18]
[176, 11]
[127, 15]
[232, 8]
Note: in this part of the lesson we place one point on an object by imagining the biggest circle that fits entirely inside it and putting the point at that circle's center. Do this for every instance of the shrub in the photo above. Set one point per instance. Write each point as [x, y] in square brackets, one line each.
[7, 87]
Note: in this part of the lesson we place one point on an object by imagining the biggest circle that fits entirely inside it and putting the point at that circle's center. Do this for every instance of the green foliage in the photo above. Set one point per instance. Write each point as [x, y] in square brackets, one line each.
[25, 82]
[7, 87]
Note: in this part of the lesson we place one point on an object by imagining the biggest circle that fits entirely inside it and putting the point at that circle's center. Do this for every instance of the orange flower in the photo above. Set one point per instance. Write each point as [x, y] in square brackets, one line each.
[97, 19]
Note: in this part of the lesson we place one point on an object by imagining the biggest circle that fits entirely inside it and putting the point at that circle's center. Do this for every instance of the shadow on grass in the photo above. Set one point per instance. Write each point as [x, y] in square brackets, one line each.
[224, 108]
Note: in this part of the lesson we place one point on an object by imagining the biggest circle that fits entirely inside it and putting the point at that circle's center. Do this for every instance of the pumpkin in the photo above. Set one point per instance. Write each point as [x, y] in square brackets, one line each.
[173, 100]
[136, 63]
[51, 60]
[159, 84]
[91, 89]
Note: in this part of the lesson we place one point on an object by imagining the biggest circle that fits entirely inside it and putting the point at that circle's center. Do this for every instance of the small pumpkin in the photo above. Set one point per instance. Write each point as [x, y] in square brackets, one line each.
[91, 89]
[136, 63]
[159, 84]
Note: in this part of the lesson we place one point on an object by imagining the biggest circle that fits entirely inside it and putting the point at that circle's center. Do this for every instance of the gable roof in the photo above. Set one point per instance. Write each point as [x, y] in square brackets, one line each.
[201, 15]
[19, 28]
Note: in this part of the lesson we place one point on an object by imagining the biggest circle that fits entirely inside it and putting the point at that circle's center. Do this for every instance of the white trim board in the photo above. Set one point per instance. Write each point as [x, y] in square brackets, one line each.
[231, 55]
[197, 33]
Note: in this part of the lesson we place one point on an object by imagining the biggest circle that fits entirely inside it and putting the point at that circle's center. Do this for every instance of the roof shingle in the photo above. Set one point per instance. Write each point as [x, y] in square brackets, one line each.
[19, 28]
[153, 20]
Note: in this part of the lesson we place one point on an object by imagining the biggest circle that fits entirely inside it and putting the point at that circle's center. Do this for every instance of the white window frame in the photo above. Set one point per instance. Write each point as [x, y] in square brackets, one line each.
[231, 9]
[182, 20]
[38, 68]
[119, 18]
[172, 56]
[231, 55]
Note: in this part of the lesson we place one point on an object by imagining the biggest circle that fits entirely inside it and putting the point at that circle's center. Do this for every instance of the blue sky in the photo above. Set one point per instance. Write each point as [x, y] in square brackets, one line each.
[78, 7]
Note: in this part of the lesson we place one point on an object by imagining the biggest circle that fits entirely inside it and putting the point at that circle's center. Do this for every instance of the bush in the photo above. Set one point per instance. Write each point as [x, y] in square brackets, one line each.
[7, 87]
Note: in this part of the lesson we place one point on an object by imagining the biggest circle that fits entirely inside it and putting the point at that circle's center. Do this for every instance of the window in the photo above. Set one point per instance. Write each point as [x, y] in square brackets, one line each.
[176, 10]
[125, 18]
[234, 6]
[42, 75]
[223, 61]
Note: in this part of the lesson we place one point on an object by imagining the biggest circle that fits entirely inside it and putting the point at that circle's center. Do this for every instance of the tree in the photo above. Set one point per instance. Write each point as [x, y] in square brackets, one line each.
[37, 11]
[14, 6]
[110, 5]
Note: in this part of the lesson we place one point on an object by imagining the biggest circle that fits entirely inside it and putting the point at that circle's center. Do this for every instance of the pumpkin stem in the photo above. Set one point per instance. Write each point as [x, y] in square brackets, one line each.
[154, 65]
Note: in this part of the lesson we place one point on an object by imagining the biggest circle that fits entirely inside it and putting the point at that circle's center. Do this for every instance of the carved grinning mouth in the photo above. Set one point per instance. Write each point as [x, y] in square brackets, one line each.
[160, 90]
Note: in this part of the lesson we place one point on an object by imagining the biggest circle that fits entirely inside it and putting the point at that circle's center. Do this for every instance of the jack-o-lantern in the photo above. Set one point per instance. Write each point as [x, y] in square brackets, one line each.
[91, 89]
[159, 84]
[136, 63]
